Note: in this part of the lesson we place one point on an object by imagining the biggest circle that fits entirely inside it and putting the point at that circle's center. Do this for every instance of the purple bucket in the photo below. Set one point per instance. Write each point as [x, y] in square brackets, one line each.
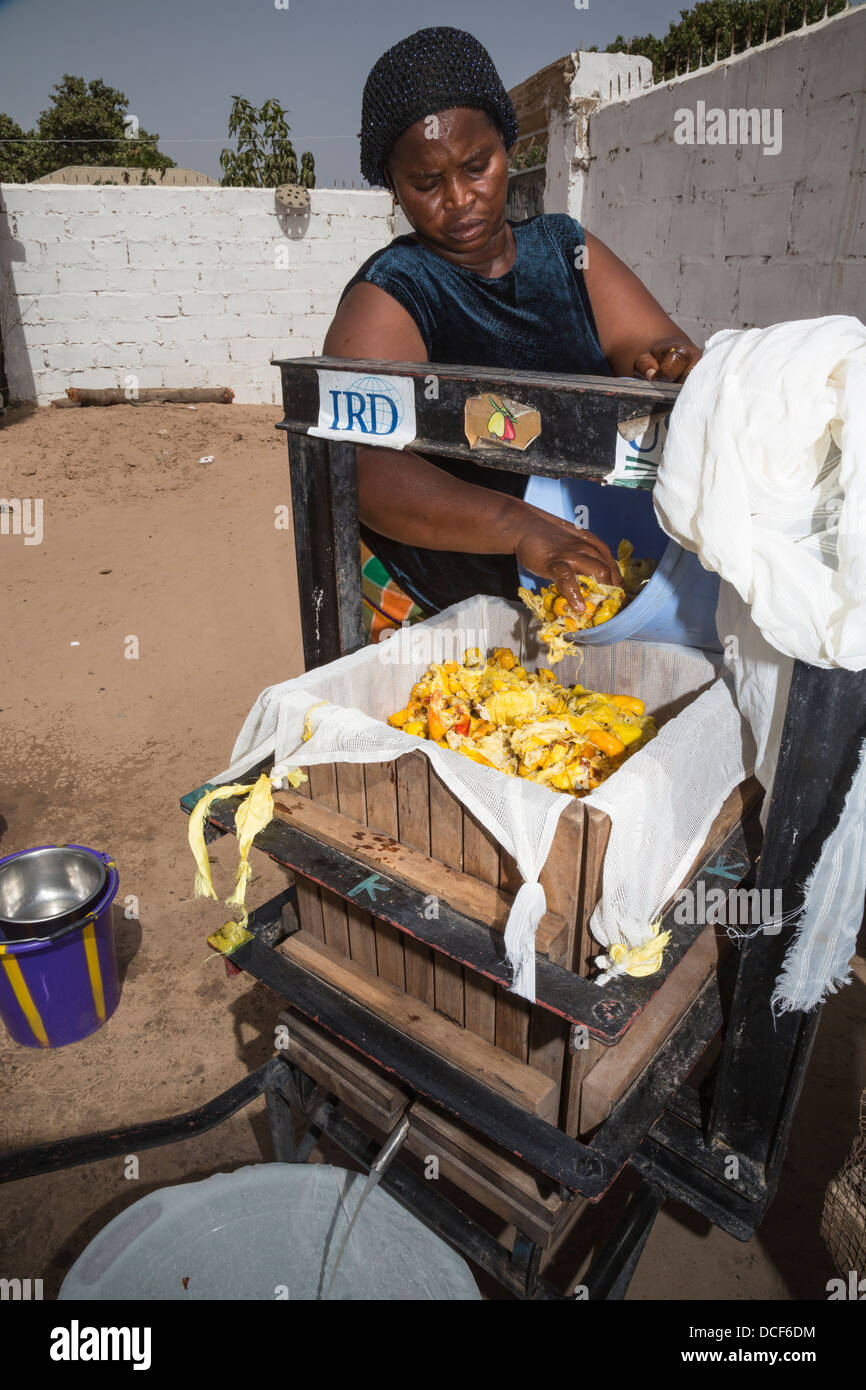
[58, 974]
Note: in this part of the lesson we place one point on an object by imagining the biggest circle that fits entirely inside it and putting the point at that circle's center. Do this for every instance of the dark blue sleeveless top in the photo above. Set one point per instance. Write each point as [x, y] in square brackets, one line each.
[535, 317]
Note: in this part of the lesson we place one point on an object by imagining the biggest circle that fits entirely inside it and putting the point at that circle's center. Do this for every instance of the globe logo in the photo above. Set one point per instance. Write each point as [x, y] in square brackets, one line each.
[381, 420]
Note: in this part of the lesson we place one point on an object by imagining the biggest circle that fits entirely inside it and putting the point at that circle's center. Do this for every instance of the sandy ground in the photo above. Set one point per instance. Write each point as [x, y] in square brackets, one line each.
[143, 540]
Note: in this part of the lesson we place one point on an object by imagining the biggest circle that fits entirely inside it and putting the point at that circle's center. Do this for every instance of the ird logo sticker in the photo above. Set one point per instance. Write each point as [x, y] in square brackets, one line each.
[368, 407]
[639, 450]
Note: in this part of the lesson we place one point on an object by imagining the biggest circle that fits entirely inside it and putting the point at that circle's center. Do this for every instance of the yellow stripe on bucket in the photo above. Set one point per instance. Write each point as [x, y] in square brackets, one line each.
[22, 994]
[93, 970]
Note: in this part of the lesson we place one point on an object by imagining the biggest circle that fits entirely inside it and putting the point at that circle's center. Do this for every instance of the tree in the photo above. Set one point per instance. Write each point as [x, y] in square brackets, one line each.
[307, 177]
[530, 158]
[86, 123]
[265, 156]
[15, 154]
[742, 20]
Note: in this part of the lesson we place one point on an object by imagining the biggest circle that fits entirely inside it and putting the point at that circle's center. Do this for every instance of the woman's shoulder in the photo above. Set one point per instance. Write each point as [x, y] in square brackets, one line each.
[399, 260]
[397, 269]
[558, 227]
[556, 245]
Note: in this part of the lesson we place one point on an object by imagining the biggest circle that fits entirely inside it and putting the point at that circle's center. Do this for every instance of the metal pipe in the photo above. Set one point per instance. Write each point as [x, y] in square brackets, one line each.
[91, 1148]
[435, 1212]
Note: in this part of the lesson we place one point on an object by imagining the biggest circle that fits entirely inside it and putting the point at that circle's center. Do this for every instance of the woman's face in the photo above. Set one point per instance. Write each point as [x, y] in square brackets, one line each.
[449, 173]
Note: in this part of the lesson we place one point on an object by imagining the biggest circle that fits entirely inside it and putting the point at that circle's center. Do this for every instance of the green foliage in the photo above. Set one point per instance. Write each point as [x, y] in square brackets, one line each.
[697, 28]
[14, 157]
[265, 156]
[90, 113]
[529, 159]
[307, 177]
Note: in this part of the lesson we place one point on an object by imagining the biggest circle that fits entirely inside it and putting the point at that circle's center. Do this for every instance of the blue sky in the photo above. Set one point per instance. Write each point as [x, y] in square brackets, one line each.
[180, 61]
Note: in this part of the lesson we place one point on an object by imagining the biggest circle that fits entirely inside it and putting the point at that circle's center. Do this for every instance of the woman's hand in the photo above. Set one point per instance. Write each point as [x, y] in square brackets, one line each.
[670, 359]
[558, 551]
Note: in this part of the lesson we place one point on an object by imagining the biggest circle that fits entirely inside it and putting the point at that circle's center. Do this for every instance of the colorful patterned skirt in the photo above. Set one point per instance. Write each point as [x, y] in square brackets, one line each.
[386, 606]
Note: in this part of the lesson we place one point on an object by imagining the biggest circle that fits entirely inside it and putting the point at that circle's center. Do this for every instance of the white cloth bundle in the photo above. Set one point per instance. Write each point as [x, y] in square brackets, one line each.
[764, 476]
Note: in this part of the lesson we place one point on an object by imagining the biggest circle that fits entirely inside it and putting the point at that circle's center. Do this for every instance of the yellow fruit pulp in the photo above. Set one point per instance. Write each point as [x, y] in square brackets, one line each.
[524, 723]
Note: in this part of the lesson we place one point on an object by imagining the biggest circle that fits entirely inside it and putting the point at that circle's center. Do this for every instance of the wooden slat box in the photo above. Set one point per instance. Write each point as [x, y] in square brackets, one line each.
[498, 1180]
[400, 819]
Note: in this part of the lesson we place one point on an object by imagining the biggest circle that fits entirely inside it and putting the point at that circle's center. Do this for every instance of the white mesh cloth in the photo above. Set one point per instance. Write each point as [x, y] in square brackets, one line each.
[661, 804]
[672, 794]
[764, 476]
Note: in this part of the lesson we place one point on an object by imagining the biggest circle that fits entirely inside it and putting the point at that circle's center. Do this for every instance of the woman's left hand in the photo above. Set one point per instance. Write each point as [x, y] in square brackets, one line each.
[670, 359]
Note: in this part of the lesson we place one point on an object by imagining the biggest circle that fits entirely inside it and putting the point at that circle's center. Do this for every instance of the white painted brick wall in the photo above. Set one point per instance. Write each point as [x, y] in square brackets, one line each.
[183, 286]
[727, 236]
[757, 223]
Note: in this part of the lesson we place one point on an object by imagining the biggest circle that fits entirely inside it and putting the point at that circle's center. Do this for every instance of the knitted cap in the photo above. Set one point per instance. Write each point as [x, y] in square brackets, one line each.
[431, 70]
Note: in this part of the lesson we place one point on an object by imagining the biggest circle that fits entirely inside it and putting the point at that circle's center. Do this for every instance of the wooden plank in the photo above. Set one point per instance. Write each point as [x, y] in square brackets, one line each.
[352, 802]
[413, 801]
[525, 1031]
[480, 1006]
[548, 1041]
[576, 1066]
[495, 1179]
[413, 817]
[446, 845]
[570, 1213]
[489, 1065]
[309, 897]
[323, 785]
[580, 1065]
[512, 1024]
[323, 791]
[587, 1050]
[512, 1012]
[333, 1064]
[595, 838]
[380, 782]
[620, 1066]
[500, 1182]
[481, 860]
[561, 876]
[388, 856]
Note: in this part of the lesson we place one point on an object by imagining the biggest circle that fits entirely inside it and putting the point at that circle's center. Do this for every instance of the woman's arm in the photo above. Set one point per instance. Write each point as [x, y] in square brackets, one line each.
[408, 499]
[636, 335]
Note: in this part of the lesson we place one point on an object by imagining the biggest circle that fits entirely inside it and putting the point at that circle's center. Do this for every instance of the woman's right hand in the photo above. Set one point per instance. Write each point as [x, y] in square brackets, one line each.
[558, 551]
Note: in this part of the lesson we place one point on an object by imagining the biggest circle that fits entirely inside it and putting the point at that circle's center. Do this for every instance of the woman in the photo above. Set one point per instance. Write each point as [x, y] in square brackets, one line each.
[469, 286]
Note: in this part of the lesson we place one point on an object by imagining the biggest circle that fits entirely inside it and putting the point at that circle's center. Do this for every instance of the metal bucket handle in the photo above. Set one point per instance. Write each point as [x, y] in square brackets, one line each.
[11, 947]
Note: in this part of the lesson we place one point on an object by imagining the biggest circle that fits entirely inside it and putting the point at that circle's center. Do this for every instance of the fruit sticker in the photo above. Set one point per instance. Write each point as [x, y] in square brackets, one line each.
[496, 419]
[501, 422]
